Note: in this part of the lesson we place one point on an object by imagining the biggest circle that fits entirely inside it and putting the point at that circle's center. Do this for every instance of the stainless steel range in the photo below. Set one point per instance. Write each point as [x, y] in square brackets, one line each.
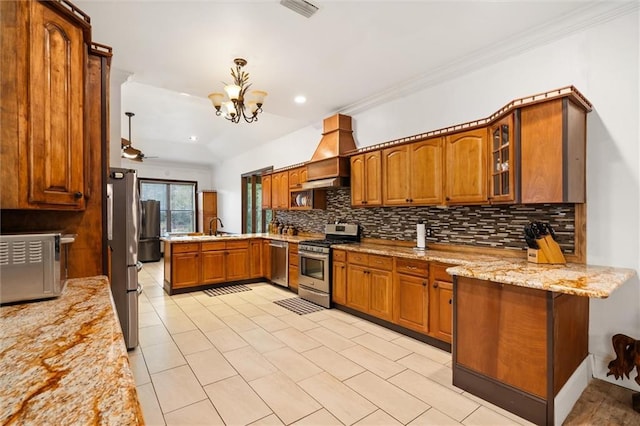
[315, 262]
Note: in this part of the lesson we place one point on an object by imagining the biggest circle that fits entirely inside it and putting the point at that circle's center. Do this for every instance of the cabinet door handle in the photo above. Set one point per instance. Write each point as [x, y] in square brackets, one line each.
[424, 283]
[435, 285]
[406, 200]
[449, 301]
[77, 195]
[447, 198]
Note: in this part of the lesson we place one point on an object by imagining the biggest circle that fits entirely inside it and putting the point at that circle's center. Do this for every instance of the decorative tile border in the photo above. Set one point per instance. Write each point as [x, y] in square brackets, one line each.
[487, 226]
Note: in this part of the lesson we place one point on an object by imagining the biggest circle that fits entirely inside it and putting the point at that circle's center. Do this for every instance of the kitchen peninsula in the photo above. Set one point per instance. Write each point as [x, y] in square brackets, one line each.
[64, 360]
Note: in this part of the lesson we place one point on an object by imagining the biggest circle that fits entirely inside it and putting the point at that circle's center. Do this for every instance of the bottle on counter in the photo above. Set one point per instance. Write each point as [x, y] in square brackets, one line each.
[279, 229]
[291, 230]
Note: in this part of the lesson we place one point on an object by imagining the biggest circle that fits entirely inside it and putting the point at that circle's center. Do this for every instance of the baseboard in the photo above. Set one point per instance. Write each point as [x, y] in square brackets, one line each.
[572, 389]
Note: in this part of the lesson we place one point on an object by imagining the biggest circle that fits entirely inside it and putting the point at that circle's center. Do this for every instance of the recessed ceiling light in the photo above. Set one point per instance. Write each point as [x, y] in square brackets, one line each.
[300, 99]
[185, 94]
[193, 138]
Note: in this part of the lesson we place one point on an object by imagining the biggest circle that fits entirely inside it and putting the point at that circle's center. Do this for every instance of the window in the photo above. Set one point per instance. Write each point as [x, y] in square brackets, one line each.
[177, 203]
[253, 219]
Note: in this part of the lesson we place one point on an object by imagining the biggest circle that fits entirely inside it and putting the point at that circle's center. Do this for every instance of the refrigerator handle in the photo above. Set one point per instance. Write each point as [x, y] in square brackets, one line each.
[109, 211]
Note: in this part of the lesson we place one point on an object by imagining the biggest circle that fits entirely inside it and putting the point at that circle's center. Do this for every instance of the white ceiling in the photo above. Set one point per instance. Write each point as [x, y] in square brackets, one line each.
[346, 56]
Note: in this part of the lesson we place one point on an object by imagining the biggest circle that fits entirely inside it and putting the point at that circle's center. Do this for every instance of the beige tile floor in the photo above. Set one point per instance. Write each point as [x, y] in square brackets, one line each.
[240, 359]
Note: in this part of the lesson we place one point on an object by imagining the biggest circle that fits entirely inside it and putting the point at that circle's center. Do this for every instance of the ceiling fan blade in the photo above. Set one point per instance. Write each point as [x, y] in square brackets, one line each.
[130, 152]
[124, 142]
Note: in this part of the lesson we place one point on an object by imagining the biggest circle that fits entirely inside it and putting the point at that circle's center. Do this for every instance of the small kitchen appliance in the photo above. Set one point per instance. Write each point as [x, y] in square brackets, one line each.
[314, 256]
[33, 265]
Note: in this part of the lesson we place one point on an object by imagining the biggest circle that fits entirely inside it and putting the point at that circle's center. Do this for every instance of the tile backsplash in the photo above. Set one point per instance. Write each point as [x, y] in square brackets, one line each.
[487, 226]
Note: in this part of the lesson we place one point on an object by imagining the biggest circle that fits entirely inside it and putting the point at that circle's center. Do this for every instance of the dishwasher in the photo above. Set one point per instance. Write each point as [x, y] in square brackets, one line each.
[279, 262]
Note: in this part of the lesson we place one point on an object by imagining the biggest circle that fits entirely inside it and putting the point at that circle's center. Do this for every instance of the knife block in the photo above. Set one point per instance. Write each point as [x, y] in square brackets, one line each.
[548, 252]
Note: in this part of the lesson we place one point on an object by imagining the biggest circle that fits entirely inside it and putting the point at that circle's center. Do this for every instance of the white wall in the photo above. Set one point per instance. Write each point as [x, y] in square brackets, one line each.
[154, 169]
[602, 62]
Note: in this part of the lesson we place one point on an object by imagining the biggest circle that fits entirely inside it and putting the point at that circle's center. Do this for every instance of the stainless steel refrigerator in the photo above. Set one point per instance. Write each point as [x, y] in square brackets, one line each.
[149, 245]
[123, 232]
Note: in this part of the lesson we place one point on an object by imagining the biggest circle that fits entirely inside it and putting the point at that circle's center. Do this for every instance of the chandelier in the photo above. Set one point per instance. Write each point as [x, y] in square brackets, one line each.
[234, 107]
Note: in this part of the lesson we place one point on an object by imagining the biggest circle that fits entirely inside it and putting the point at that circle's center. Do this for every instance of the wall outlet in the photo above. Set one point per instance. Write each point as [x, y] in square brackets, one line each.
[429, 232]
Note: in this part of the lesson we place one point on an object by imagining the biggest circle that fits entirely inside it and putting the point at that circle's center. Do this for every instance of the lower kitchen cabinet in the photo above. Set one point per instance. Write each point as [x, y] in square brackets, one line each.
[182, 264]
[516, 347]
[255, 259]
[190, 265]
[339, 277]
[369, 286]
[293, 266]
[440, 302]
[411, 294]
[266, 259]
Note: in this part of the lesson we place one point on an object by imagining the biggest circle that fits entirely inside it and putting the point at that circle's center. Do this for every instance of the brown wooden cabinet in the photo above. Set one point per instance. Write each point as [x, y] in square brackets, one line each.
[411, 294]
[553, 152]
[412, 173]
[266, 259]
[207, 212]
[339, 277]
[440, 302]
[43, 104]
[515, 346]
[191, 264]
[213, 263]
[237, 260]
[280, 190]
[297, 177]
[307, 199]
[370, 284]
[185, 264]
[503, 167]
[294, 266]
[255, 259]
[366, 179]
[266, 191]
[466, 167]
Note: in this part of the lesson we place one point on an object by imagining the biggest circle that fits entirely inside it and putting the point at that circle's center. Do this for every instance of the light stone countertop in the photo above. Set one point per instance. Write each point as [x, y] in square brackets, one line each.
[582, 280]
[577, 279]
[231, 237]
[64, 360]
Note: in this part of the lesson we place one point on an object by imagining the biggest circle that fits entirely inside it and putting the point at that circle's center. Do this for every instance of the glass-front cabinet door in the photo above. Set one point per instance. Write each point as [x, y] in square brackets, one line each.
[502, 161]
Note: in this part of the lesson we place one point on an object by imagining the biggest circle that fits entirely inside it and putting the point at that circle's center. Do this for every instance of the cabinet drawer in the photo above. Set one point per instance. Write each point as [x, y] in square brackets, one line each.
[185, 247]
[358, 258]
[241, 244]
[439, 272]
[339, 256]
[381, 262]
[293, 260]
[213, 245]
[412, 267]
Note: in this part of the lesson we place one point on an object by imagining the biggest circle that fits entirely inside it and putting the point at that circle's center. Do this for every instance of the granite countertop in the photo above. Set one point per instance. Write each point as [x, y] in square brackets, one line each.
[577, 279]
[64, 360]
[227, 237]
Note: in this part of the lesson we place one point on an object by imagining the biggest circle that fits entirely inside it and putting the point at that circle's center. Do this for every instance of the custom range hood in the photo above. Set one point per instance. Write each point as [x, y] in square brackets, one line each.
[329, 166]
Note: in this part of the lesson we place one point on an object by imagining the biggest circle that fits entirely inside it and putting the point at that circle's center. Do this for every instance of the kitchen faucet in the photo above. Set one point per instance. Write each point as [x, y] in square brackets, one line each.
[213, 219]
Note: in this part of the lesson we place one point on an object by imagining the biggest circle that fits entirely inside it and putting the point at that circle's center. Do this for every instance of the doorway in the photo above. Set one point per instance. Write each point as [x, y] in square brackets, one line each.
[254, 218]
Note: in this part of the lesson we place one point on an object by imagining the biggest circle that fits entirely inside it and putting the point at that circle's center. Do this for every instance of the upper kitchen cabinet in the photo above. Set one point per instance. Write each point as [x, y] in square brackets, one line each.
[297, 177]
[266, 191]
[412, 174]
[44, 62]
[502, 165]
[466, 167]
[366, 179]
[280, 190]
[553, 146]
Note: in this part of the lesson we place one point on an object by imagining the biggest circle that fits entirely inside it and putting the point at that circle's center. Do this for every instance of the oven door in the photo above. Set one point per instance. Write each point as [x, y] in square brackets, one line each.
[314, 270]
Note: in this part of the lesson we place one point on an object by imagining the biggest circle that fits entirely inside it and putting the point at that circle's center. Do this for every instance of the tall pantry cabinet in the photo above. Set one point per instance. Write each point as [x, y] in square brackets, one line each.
[54, 121]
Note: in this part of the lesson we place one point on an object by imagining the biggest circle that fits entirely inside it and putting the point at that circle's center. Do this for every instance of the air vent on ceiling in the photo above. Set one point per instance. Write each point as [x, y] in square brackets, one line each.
[301, 7]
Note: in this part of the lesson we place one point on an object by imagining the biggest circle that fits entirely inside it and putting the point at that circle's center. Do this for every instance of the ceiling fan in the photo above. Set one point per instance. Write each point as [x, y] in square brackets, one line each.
[127, 149]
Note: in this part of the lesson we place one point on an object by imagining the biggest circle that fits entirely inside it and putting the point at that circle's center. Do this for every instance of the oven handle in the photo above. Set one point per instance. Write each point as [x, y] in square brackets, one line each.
[313, 255]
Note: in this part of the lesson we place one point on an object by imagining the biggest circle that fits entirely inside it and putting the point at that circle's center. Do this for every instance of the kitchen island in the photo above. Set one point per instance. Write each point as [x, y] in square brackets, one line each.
[64, 361]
